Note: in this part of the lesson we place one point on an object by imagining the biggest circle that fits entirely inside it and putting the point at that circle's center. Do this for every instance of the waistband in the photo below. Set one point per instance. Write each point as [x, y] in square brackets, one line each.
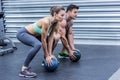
[23, 29]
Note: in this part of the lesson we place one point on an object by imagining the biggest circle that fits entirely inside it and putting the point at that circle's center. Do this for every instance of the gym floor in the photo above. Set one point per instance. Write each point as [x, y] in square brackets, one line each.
[98, 62]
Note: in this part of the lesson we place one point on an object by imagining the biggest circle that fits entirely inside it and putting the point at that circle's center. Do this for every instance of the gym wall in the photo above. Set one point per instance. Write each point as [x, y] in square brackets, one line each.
[98, 21]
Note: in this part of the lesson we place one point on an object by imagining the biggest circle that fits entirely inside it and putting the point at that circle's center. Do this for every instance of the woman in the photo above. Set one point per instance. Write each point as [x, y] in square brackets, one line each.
[36, 35]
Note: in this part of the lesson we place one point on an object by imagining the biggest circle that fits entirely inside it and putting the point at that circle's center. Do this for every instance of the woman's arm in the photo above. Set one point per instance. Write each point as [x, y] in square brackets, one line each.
[50, 42]
[43, 39]
[51, 37]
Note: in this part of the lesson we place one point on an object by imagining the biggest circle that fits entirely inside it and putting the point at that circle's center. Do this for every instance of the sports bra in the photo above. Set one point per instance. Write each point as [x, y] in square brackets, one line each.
[38, 30]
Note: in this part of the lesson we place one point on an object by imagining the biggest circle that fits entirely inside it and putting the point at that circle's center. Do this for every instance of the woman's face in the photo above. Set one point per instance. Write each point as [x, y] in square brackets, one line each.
[60, 15]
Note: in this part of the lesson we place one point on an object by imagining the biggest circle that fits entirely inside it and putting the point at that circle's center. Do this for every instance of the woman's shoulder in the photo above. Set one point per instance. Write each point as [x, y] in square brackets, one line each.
[44, 20]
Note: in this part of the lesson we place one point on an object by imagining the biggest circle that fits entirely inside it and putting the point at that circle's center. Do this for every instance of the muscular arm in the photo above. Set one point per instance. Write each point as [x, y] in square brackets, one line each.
[65, 43]
[44, 36]
[51, 37]
[71, 38]
[64, 39]
[62, 30]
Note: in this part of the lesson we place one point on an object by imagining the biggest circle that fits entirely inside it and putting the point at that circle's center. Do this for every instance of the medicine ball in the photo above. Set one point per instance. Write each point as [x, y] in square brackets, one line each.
[77, 54]
[52, 67]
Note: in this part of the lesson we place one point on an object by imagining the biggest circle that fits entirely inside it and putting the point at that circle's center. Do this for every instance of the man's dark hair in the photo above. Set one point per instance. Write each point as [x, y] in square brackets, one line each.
[71, 7]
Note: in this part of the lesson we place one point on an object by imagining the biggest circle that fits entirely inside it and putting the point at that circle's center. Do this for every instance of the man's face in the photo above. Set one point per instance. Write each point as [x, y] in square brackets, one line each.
[74, 13]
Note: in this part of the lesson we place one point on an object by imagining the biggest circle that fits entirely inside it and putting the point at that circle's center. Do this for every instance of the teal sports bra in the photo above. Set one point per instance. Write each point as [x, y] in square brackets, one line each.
[38, 30]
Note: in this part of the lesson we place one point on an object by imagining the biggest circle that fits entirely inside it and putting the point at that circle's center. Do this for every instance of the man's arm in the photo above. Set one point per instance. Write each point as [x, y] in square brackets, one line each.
[62, 30]
[71, 38]
[65, 44]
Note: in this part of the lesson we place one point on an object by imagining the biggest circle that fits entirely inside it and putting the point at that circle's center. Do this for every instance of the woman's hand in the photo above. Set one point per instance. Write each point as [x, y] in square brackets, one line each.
[48, 60]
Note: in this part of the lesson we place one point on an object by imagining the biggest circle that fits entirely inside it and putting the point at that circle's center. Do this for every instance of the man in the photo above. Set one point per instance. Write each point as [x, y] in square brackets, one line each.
[66, 29]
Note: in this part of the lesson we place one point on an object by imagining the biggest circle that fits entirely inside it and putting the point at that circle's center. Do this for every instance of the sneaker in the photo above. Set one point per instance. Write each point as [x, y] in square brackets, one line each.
[27, 73]
[63, 55]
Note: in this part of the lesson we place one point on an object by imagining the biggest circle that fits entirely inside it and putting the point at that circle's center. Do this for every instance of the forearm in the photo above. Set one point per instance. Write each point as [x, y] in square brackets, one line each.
[50, 42]
[65, 43]
[45, 48]
[71, 41]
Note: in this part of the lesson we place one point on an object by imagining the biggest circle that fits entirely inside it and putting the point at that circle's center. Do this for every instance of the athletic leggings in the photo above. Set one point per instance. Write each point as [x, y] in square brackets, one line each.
[30, 40]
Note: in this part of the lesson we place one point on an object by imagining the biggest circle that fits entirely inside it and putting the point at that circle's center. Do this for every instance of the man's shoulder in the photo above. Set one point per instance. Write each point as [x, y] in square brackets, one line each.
[70, 23]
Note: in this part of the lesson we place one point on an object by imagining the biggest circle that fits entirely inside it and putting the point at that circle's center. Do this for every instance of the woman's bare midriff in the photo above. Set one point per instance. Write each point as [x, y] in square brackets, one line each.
[31, 30]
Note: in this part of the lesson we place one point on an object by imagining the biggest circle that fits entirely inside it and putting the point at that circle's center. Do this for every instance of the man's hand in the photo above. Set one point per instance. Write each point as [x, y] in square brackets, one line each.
[71, 55]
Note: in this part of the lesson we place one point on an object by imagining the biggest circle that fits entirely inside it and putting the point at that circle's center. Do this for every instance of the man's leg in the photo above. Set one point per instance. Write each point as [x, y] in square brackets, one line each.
[64, 53]
[63, 49]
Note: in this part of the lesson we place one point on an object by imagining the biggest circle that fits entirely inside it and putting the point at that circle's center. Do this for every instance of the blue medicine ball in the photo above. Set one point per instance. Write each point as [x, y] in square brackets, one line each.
[52, 67]
[77, 54]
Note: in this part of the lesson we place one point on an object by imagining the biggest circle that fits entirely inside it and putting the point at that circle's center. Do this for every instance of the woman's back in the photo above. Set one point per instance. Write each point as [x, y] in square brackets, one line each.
[40, 24]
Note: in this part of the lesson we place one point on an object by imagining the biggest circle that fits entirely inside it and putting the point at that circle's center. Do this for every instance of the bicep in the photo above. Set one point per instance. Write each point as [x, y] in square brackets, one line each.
[70, 30]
